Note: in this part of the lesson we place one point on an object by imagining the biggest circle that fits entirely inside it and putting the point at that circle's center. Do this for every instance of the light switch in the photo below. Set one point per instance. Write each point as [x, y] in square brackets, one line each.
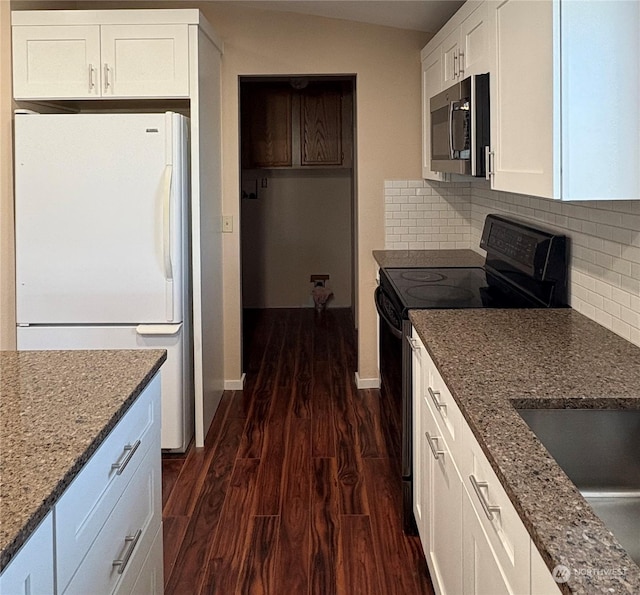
[227, 223]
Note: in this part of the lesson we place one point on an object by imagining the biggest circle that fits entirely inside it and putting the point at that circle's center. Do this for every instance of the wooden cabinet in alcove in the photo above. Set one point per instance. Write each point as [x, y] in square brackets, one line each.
[297, 128]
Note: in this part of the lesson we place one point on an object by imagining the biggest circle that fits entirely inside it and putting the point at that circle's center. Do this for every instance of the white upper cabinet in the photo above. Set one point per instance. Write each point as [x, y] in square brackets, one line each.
[521, 83]
[464, 51]
[80, 61]
[564, 78]
[432, 74]
[459, 50]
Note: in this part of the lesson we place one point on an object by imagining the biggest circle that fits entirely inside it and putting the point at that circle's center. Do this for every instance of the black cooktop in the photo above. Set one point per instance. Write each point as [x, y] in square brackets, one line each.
[451, 287]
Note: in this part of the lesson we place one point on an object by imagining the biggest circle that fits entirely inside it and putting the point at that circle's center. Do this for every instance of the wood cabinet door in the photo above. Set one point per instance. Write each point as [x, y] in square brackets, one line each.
[266, 127]
[56, 62]
[321, 128]
[145, 60]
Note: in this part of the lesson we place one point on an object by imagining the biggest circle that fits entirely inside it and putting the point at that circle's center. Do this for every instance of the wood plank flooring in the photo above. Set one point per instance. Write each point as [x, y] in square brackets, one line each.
[297, 490]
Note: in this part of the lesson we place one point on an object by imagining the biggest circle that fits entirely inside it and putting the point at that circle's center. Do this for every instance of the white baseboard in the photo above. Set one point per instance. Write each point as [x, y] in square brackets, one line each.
[367, 382]
[235, 384]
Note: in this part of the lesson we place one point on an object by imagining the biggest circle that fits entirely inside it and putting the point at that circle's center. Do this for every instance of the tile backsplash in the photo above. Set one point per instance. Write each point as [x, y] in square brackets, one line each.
[605, 238]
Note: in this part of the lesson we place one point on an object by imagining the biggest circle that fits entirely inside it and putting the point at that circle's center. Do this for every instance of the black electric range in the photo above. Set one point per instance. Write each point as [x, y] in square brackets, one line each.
[525, 267]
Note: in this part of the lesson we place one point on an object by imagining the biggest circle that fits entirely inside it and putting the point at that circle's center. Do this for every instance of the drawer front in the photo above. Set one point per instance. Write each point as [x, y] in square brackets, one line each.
[150, 579]
[127, 534]
[506, 532]
[89, 500]
[445, 410]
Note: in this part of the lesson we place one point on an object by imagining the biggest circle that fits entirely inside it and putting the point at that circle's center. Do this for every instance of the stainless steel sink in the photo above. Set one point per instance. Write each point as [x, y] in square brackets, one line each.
[599, 449]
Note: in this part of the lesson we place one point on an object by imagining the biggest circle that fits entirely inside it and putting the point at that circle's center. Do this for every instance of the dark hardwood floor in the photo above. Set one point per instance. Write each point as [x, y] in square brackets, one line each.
[297, 490]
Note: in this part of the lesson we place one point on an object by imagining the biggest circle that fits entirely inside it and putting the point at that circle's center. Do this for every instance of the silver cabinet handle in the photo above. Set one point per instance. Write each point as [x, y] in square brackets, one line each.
[132, 540]
[460, 63]
[413, 343]
[455, 64]
[130, 450]
[434, 397]
[106, 77]
[488, 162]
[489, 510]
[434, 449]
[92, 83]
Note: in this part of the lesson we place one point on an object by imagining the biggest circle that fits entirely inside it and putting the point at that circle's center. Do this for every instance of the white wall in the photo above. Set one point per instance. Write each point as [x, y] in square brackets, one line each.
[605, 242]
[299, 225]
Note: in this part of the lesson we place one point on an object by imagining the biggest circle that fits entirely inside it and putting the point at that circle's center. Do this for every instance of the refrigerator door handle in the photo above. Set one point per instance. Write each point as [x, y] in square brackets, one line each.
[158, 329]
[166, 215]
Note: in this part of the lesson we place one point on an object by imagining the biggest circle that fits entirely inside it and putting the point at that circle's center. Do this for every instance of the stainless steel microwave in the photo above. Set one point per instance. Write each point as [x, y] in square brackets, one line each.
[460, 127]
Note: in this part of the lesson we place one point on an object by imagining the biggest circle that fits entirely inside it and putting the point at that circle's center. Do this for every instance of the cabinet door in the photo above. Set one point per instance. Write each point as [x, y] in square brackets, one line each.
[522, 98]
[473, 55]
[431, 84]
[56, 62]
[421, 463]
[145, 60]
[266, 127]
[450, 66]
[321, 128]
[31, 570]
[445, 509]
[482, 574]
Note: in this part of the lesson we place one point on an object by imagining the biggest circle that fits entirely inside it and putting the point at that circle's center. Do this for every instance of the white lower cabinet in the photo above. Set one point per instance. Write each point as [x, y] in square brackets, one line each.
[30, 572]
[106, 528]
[482, 573]
[473, 538]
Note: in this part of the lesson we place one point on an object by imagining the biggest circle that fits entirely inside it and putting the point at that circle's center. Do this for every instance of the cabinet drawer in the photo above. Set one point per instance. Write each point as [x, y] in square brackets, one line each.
[445, 410]
[89, 500]
[127, 535]
[150, 580]
[506, 532]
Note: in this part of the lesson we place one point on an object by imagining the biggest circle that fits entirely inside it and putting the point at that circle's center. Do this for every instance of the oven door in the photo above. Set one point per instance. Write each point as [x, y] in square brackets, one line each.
[396, 377]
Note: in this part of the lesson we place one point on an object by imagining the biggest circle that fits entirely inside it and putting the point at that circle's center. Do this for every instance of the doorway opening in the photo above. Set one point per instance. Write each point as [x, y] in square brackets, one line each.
[297, 193]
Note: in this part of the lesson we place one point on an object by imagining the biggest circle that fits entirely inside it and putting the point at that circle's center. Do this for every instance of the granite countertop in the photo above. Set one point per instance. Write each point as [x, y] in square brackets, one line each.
[492, 360]
[427, 258]
[56, 408]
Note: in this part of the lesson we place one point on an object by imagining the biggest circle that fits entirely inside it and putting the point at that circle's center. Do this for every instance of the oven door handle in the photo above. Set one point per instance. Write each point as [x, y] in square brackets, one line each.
[397, 333]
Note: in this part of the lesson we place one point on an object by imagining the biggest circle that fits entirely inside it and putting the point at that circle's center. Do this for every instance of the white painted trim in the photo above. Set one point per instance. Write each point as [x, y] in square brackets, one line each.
[237, 384]
[367, 382]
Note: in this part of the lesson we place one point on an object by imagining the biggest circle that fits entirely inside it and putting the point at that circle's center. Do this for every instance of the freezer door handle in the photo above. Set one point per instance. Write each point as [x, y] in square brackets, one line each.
[158, 329]
[166, 217]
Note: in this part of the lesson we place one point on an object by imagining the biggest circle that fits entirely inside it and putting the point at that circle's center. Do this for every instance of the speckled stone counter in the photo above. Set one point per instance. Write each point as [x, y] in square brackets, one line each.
[492, 360]
[427, 258]
[56, 408]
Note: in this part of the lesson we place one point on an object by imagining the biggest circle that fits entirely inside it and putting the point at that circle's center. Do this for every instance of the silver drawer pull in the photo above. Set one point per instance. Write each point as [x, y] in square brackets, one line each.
[91, 81]
[132, 540]
[489, 510]
[435, 394]
[106, 77]
[413, 343]
[432, 445]
[130, 450]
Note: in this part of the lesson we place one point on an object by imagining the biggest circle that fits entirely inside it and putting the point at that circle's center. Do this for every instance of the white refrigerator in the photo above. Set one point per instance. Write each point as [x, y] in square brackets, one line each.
[102, 243]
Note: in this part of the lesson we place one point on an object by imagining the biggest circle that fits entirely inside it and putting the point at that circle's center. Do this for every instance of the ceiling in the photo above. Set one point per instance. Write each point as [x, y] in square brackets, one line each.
[419, 15]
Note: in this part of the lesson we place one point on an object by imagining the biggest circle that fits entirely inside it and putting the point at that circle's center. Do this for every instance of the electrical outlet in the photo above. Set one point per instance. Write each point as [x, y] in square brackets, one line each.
[227, 223]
